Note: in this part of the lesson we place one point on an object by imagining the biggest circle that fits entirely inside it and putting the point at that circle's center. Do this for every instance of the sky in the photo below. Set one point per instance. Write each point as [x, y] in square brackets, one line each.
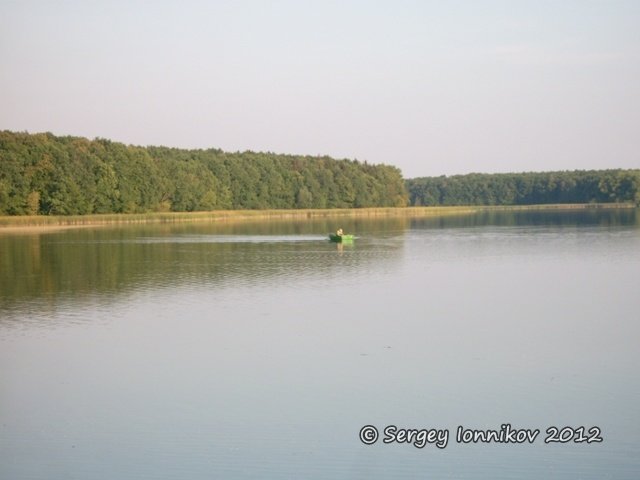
[432, 87]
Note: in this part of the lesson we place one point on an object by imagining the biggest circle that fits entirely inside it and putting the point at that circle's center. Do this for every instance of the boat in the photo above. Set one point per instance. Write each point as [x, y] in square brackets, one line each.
[341, 238]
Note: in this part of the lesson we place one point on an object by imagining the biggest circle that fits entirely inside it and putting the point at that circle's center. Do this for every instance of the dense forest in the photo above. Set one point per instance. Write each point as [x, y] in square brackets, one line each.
[50, 175]
[43, 174]
[580, 186]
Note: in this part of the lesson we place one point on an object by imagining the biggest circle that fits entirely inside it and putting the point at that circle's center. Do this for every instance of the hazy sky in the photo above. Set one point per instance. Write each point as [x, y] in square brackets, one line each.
[433, 87]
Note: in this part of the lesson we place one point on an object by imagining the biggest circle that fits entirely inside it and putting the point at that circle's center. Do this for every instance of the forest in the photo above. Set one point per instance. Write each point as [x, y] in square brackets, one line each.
[532, 188]
[44, 174]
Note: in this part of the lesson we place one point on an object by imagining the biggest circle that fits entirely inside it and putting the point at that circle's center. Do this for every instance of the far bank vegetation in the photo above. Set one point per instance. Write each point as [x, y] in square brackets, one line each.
[44, 174]
[533, 188]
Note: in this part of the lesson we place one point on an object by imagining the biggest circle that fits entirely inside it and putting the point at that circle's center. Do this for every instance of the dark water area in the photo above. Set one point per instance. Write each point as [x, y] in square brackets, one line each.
[260, 350]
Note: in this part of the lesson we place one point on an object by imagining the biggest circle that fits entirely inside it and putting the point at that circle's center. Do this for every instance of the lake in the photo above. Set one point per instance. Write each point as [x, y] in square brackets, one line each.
[261, 350]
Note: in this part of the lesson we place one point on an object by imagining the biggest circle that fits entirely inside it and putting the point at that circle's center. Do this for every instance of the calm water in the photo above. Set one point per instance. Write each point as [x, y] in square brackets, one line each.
[260, 350]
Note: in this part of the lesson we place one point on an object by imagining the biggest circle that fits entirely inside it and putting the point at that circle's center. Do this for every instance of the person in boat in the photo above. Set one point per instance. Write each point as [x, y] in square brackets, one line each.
[339, 232]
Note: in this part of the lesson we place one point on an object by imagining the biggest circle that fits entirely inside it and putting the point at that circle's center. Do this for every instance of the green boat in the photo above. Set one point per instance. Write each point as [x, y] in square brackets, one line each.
[340, 238]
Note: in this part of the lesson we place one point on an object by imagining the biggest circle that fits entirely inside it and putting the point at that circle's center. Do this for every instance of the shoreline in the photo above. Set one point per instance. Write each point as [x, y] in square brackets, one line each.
[24, 224]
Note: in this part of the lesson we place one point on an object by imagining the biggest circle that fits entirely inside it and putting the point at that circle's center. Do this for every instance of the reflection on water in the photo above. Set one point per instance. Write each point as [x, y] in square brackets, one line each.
[69, 266]
[259, 350]
[75, 264]
[627, 217]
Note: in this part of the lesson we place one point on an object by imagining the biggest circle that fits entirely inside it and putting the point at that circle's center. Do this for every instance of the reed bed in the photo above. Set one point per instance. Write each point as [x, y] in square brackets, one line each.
[59, 221]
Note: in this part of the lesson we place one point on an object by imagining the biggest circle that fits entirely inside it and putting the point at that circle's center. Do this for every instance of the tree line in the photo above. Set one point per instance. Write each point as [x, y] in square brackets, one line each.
[44, 174]
[580, 186]
[63, 175]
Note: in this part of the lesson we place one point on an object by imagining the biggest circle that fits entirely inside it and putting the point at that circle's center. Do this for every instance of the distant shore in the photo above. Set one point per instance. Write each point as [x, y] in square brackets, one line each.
[17, 224]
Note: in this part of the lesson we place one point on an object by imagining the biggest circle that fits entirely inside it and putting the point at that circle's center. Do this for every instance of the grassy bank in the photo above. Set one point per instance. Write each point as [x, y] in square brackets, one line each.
[8, 223]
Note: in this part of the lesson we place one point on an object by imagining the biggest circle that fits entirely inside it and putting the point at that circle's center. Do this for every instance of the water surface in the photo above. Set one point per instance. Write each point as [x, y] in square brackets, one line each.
[259, 350]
